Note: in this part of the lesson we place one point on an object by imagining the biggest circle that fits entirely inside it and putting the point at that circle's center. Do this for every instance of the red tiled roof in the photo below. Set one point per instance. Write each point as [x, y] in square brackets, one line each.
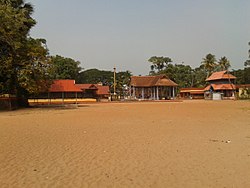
[70, 86]
[102, 90]
[220, 75]
[64, 86]
[149, 81]
[192, 90]
[197, 92]
[220, 87]
[165, 82]
[86, 86]
[207, 88]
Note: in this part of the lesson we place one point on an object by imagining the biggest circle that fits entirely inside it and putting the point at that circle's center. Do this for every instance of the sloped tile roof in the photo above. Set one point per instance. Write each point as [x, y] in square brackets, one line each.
[165, 82]
[207, 88]
[221, 87]
[220, 75]
[70, 86]
[102, 90]
[149, 81]
[86, 86]
[192, 90]
[64, 86]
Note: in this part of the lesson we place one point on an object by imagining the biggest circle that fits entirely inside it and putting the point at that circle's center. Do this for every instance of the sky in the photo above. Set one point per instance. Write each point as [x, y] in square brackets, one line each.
[126, 33]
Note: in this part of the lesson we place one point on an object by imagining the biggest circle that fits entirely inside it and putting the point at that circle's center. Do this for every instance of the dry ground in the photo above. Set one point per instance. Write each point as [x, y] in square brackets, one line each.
[144, 144]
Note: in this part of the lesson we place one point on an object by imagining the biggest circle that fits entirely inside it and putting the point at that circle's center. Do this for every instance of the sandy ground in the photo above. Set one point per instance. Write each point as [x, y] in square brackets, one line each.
[144, 144]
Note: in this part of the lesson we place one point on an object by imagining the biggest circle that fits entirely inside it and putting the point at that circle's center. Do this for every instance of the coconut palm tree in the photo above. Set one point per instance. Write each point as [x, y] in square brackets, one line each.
[224, 63]
[209, 63]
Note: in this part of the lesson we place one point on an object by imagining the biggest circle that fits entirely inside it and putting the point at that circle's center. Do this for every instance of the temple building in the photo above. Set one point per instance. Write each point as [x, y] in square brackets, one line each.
[68, 91]
[221, 86]
[152, 88]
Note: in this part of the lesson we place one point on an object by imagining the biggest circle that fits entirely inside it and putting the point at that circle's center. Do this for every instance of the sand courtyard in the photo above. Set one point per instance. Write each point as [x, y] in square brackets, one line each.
[137, 144]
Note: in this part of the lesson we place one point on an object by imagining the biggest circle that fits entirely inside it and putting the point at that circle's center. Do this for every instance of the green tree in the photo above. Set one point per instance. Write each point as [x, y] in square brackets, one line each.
[23, 61]
[179, 73]
[34, 75]
[247, 75]
[93, 76]
[65, 68]
[247, 62]
[209, 63]
[15, 23]
[223, 63]
[240, 75]
[158, 63]
[122, 81]
[200, 75]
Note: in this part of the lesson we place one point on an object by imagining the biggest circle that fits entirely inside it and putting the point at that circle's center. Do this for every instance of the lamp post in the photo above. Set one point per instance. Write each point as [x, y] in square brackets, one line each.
[114, 81]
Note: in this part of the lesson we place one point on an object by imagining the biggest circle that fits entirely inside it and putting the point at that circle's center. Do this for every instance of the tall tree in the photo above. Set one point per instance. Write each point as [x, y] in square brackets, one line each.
[35, 73]
[20, 55]
[200, 75]
[65, 68]
[224, 63]
[93, 76]
[122, 81]
[179, 73]
[209, 63]
[158, 63]
[247, 62]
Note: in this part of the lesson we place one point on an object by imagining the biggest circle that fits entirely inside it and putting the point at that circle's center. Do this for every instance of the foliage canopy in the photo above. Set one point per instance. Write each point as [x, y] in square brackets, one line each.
[24, 62]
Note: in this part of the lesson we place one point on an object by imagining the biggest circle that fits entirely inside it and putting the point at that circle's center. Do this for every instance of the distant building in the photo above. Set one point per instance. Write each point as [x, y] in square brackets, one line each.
[68, 89]
[64, 89]
[221, 86]
[192, 93]
[152, 87]
[94, 91]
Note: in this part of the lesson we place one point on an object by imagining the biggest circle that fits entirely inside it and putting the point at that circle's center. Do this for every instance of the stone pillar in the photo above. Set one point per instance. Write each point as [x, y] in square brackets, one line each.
[130, 95]
[173, 93]
[151, 93]
[63, 97]
[154, 92]
[157, 93]
[142, 93]
[134, 92]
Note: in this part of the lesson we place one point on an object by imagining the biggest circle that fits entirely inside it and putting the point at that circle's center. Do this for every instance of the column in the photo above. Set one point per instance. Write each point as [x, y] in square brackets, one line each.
[134, 92]
[173, 93]
[63, 97]
[142, 93]
[157, 93]
[154, 92]
[76, 97]
[130, 95]
[151, 93]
